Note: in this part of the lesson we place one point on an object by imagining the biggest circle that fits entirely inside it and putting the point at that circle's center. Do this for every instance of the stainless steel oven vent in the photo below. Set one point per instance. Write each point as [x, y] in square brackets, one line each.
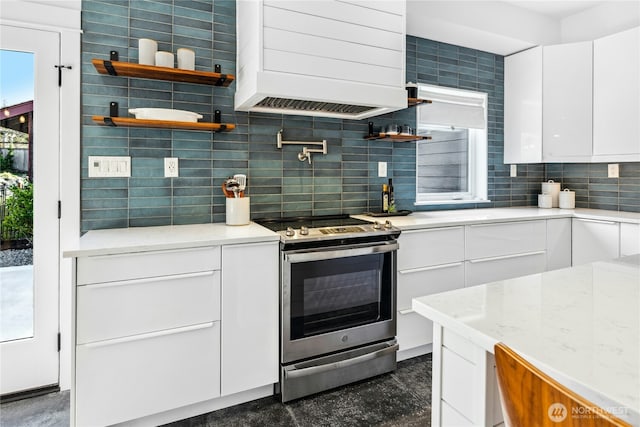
[302, 105]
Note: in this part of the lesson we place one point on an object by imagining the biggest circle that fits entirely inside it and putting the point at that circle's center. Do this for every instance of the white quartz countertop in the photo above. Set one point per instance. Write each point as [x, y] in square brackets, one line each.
[434, 219]
[580, 325]
[140, 239]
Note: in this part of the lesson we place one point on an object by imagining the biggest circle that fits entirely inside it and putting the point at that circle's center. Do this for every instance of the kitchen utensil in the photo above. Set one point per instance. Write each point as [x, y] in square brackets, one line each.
[242, 183]
[147, 49]
[226, 193]
[567, 199]
[231, 186]
[552, 188]
[165, 114]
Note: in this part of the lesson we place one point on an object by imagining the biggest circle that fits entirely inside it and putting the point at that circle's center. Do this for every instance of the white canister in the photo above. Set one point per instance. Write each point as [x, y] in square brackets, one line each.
[147, 49]
[567, 199]
[545, 201]
[238, 210]
[186, 59]
[164, 59]
[553, 188]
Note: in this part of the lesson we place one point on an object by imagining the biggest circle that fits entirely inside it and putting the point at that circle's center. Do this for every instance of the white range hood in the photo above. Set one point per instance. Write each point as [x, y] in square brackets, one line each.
[321, 58]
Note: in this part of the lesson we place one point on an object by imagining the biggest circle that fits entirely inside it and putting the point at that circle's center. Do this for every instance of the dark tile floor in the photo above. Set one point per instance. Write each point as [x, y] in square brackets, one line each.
[401, 398]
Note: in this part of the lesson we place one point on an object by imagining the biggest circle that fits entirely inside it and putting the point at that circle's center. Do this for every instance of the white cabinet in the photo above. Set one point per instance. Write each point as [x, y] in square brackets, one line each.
[616, 97]
[429, 262]
[629, 239]
[504, 250]
[249, 316]
[567, 102]
[523, 107]
[558, 243]
[594, 240]
[148, 333]
[162, 330]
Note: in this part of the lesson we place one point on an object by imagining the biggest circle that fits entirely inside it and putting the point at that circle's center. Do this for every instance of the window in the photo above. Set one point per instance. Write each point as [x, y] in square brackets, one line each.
[451, 167]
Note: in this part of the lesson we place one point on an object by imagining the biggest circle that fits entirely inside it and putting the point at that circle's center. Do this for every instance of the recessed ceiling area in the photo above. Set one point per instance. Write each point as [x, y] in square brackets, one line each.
[505, 27]
[555, 9]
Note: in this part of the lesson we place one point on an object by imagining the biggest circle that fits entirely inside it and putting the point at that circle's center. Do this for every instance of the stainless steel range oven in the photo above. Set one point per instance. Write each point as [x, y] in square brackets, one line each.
[337, 302]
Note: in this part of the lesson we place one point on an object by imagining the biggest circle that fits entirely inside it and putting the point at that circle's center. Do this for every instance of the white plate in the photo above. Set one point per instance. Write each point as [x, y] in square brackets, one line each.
[165, 114]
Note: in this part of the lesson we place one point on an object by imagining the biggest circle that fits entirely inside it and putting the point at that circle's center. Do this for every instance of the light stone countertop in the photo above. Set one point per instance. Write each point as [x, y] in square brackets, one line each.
[580, 325]
[447, 218]
[141, 239]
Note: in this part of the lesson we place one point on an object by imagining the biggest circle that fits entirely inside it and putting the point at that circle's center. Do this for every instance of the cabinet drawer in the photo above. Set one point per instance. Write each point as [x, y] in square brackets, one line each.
[423, 248]
[629, 239]
[413, 330]
[458, 383]
[123, 379]
[428, 280]
[507, 267]
[109, 268]
[491, 240]
[119, 309]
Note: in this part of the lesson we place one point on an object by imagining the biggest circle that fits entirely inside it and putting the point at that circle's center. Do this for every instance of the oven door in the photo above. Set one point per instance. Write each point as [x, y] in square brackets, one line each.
[336, 298]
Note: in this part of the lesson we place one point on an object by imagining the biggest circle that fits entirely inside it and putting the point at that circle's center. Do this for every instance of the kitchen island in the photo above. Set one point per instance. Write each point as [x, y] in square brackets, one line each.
[580, 325]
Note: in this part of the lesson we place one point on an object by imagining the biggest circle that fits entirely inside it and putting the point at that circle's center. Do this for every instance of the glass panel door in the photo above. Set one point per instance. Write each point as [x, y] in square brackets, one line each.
[29, 190]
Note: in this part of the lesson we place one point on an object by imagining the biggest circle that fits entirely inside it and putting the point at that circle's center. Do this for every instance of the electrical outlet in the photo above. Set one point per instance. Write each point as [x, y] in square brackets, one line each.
[382, 169]
[170, 167]
[613, 170]
[514, 171]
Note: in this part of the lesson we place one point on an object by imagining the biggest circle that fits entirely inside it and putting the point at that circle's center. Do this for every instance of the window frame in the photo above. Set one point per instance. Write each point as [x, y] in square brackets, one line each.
[477, 158]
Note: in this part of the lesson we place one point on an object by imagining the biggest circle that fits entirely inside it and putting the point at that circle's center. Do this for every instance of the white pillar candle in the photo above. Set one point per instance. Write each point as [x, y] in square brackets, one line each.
[164, 59]
[147, 49]
[186, 59]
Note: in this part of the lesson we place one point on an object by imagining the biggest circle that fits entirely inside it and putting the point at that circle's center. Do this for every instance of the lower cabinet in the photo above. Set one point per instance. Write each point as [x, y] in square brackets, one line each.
[250, 310]
[486, 270]
[202, 325]
[629, 239]
[131, 377]
[594, 240]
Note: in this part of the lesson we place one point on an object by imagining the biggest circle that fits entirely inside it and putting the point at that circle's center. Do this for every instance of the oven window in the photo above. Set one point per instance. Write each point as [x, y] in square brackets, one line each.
[335, 294]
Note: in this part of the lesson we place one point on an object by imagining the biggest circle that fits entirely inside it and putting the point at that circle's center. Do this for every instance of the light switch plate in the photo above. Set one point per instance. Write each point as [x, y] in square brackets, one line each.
[109, 166]
[382, 169]
[514, 171]
[613, 170]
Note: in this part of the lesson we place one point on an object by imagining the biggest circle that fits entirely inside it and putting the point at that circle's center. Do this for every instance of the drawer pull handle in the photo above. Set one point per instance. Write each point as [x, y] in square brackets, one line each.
[148, 335]
[149, 279]
[435, 267]
[497, 258]
[597, 221]
[426, 230]
[407, 311]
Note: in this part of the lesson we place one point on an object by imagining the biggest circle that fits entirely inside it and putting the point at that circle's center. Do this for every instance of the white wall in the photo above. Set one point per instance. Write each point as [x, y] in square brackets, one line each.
[491, 26]
[608, 18]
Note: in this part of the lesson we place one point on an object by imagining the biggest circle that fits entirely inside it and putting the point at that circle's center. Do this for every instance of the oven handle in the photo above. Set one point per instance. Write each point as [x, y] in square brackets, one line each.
[320, 254]
[312, 370]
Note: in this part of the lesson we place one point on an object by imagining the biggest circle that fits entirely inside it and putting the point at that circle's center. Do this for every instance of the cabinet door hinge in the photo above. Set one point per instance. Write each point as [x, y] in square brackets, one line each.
[59, 342]
[59, 209]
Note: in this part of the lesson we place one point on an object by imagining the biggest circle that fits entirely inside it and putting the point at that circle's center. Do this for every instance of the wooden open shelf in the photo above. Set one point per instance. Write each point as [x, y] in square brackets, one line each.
[129, 69]
[404, 138]
[162, 124]
[412, 102]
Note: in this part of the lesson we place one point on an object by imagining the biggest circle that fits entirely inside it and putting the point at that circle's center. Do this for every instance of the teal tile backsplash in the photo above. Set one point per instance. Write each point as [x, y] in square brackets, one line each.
[344, 181]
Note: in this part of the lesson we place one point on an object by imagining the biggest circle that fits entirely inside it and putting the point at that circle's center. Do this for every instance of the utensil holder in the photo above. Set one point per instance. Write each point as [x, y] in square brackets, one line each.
[238, 211]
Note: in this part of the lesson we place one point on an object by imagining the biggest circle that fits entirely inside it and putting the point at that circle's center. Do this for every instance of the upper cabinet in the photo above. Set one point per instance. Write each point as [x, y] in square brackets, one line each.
[567, 102]
[523, 107]
[577, 102]
[616, 97]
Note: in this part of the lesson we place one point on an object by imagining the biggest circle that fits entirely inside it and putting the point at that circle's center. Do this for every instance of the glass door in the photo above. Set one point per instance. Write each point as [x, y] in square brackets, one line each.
[29, 225]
